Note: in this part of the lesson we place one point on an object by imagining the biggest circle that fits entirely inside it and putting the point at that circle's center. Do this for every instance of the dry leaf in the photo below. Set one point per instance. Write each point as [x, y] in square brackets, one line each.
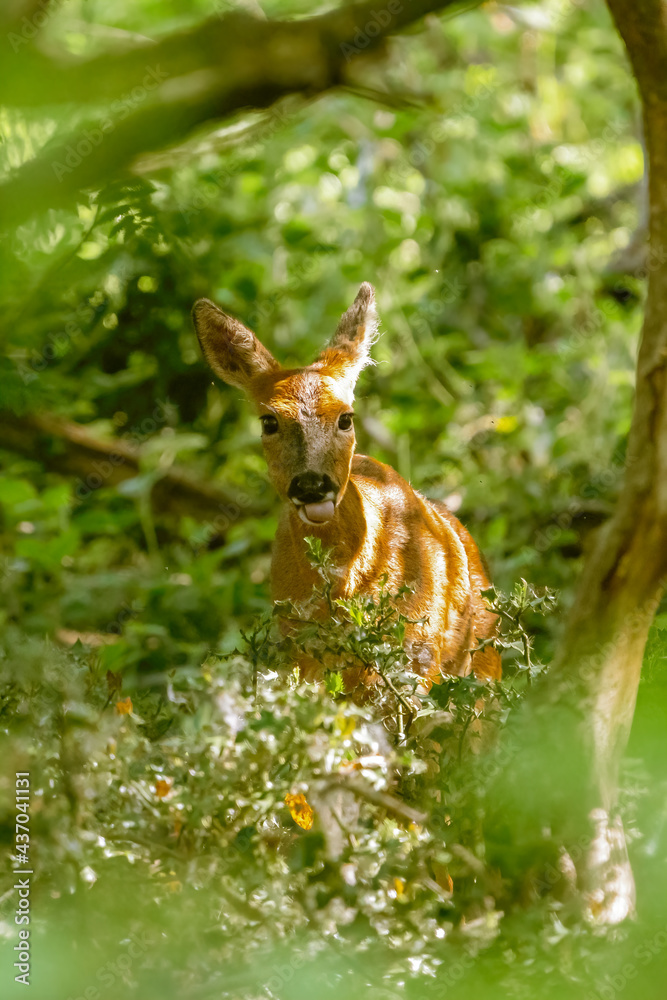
[300, 811]
[162, 787]
[442, 876]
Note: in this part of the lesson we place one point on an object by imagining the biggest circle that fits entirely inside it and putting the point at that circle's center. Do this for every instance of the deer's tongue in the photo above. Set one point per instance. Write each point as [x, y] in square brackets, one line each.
[319, 512]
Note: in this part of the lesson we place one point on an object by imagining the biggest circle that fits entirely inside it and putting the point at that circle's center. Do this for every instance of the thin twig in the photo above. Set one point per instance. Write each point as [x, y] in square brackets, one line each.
[389, 802]
[526, 648]
[390, 684]
[431, 884]
[472, 861]
[140, 842]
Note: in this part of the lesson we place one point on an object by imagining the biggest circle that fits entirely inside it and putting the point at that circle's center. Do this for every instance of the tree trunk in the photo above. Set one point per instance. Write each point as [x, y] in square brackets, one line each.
[601, 651]
[575, 730]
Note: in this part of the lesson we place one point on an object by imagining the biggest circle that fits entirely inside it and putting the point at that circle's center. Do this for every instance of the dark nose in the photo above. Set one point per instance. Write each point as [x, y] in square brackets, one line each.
[311, 487]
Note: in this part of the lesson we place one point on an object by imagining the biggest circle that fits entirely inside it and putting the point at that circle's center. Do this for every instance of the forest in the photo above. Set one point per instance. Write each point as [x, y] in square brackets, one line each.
[182, 814]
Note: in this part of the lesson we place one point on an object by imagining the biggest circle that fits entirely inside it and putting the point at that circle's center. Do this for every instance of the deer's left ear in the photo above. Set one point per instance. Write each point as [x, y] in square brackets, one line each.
[350, 347]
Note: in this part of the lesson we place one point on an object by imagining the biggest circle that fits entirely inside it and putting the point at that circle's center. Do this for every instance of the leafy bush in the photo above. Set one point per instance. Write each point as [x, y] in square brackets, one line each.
[239, 797]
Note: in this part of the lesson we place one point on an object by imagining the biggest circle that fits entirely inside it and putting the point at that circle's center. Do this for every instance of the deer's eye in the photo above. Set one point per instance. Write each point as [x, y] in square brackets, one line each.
[269, 424]
[345, 421]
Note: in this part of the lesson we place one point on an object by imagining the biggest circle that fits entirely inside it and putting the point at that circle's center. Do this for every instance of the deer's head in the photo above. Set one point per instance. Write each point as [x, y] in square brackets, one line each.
[306, 413]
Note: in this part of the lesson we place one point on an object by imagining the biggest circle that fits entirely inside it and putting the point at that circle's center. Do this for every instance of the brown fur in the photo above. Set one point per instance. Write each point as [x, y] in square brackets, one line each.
[381, 526]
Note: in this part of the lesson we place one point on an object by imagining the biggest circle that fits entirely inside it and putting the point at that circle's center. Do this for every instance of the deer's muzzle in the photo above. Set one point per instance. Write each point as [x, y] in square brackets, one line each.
[314, 496]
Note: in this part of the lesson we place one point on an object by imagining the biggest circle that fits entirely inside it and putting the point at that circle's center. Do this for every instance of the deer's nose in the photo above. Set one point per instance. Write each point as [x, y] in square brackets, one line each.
[311, 487]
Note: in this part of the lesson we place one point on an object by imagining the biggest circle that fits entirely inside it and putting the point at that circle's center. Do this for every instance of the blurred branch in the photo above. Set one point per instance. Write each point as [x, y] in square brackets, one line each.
[394, 806]
[605, 206]
[69, 449]
[16, 12]
[439, 384]
[222, 44]
[220, 67]
[222, 140]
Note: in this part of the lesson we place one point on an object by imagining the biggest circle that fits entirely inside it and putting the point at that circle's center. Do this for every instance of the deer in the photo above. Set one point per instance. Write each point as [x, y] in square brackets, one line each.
[377, 525]
[381, 531]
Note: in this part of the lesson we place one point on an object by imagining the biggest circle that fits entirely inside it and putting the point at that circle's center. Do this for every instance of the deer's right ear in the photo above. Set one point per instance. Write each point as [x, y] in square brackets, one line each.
[350, 348]
[231, 349]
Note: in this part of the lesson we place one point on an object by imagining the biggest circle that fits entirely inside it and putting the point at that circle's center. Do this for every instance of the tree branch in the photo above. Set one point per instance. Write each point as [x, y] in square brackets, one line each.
[221, 44]
[158, 93]
[395, 807]
[70, 449]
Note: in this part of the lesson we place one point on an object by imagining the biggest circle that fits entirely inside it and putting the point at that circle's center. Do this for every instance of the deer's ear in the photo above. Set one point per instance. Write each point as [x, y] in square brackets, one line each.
[231, 349]
[350, 347]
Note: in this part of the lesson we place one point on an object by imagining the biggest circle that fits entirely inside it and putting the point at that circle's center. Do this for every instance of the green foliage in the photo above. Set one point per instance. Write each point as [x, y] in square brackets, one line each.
[183, 785]
[514, 609]
[485, 211]
[172, 797]
[487, 178]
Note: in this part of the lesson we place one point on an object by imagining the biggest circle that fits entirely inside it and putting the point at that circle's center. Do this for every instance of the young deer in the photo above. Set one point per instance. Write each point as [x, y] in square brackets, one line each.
[376, 523]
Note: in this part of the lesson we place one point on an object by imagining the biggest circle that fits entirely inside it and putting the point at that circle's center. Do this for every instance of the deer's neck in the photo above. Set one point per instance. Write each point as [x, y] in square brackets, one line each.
[347, 534]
